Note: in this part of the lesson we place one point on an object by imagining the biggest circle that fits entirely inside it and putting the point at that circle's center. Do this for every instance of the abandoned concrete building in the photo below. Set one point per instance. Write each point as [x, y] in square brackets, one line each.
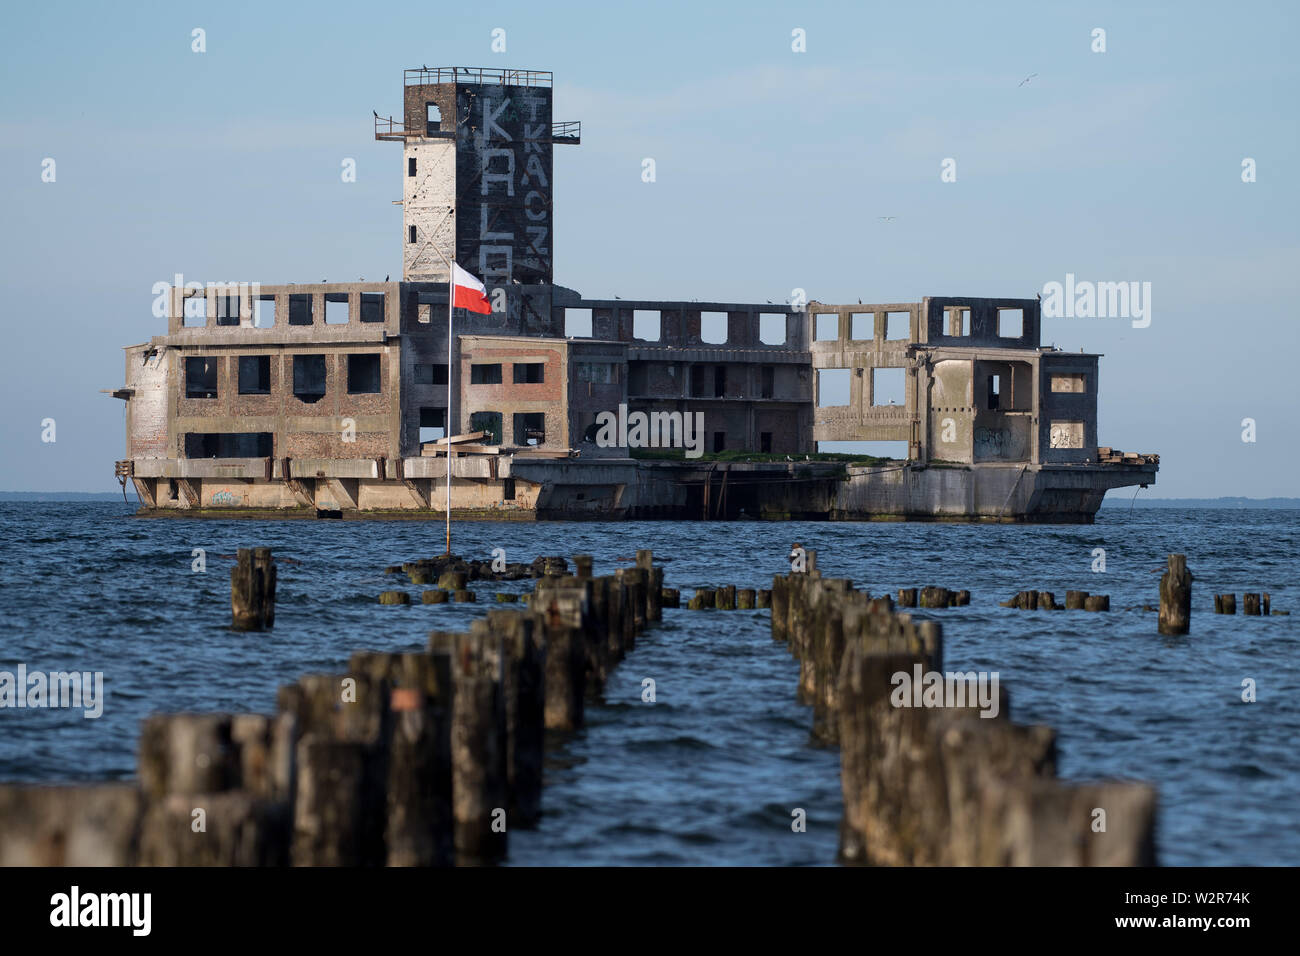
[332, 398]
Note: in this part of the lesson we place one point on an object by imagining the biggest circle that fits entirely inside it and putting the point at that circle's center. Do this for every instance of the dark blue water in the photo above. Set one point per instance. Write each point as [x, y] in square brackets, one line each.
[712, 771]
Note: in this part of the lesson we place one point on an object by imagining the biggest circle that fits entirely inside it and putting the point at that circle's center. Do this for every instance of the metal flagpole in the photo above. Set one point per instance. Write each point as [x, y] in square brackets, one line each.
[446, 423]
[446, 430]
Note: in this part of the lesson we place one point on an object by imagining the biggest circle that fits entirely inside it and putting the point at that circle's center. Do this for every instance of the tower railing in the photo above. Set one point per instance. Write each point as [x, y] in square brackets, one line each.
[429, 75]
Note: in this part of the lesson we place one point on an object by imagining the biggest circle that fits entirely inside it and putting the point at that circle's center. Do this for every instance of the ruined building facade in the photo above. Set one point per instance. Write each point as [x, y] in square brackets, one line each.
[330, 398]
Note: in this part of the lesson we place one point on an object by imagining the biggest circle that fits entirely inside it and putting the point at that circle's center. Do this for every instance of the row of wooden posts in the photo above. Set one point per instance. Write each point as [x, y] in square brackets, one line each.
[405, 759]
[939, 785]
[1046, 601]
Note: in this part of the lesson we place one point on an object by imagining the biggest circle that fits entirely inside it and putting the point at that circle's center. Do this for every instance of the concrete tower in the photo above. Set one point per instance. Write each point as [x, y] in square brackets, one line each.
[477, 173]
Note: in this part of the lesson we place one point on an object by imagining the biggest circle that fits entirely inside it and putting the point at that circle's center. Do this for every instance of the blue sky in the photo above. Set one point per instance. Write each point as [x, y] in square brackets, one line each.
[773, 168]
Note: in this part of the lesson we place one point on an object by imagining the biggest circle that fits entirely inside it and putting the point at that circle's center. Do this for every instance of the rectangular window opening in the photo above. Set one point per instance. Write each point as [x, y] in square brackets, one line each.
[227, 310]
[363, 374]
[719, 381]
[431, 424]
[530, 428]
[1011, 323]
[432, 118]
[719, 441]
[229, 445]
[372, 307]
[254, 375]
[309, 378]
[994, 392]
[765, 442]
[862, 326]
[201, 377]
[194, 311]
[888, 386]
[410, 236]
[713, 328]
[832, 387]
[646, 325]
[577, 323]
[828, 326]
[336, 308]
[771, 328]
[485, 374]
[960, 319]
[1074, 382]
[410, 166]
[767, 386]
[489, 422]
[300, 309]
[529, 373]
[898, 325]
[1066, 434]
[264, 312]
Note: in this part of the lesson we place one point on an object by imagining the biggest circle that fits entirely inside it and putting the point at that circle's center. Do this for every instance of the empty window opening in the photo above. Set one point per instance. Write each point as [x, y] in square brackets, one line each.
[410, 166]
[431, 374]
[898, 325]
[862, 326]
[767, 383]
[195, 310]
[597, 373]
[363, 375]
[489, 422]
[719, 381]
[229, 445]
[832, 387]
[896, 450]
[254, 375]
[264, 312]
[171, 489]
[372, 307]
[765, 442]
[828, 326]
[1069, 383]
[888, 386]
[485, 374]
[1064, 434]
[960, 322]
[530, 373]
[646, 325]
[410, 235]
[200, 377]
[713, 327]
[1011, 323]
[530, 428]
[300, 309]
[577, 323]
[227, 310]
[309, 378]
[994, 392]
[719, 441]
[432, 118]
[507, 489]
[431, 424]
[336, 308]
[771, 328]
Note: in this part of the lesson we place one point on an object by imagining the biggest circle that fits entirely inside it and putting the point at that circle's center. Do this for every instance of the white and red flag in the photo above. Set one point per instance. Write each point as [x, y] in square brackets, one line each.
[470, 293]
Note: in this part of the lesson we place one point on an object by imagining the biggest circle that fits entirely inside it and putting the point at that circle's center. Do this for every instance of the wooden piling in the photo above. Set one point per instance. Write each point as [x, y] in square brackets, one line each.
[670, 597]
[1176, 597]
[394, 597]
[1074, 600]
[1250, 604]
[1097, 602]
[907, 597]
[252, 590]
[745, 598]
[763, 598]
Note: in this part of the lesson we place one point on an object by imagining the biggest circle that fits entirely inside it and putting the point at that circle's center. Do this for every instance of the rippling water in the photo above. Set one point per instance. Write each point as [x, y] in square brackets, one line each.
[711, 772]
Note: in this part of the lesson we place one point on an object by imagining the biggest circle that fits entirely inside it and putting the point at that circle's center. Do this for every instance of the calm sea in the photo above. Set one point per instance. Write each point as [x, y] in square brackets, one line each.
[711, 772]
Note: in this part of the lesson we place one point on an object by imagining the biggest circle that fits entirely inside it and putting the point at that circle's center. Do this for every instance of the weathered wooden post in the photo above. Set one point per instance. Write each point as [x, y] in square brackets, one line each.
[1097, 602]
[671, 597]
[1176, 597]
[907, 597]
[252, 590]
[563, 615]
[1250, 604]
[1225, 604]
[1265, 607]
[745, 598]
[525, 688]
[763, 598]
[583, 564]
[654, 585]
[1046, 601]
[1074, 600]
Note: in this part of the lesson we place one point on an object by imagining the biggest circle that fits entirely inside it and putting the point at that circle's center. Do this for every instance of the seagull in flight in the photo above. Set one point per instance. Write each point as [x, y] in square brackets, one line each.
[1026, 79]
[886, 218]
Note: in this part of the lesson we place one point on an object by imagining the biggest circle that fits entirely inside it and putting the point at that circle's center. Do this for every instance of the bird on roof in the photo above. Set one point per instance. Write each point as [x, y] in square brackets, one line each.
[385, 278]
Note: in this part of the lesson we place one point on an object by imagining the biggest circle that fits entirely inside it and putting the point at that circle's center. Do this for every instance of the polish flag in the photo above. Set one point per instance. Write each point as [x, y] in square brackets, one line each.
[470, 293]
